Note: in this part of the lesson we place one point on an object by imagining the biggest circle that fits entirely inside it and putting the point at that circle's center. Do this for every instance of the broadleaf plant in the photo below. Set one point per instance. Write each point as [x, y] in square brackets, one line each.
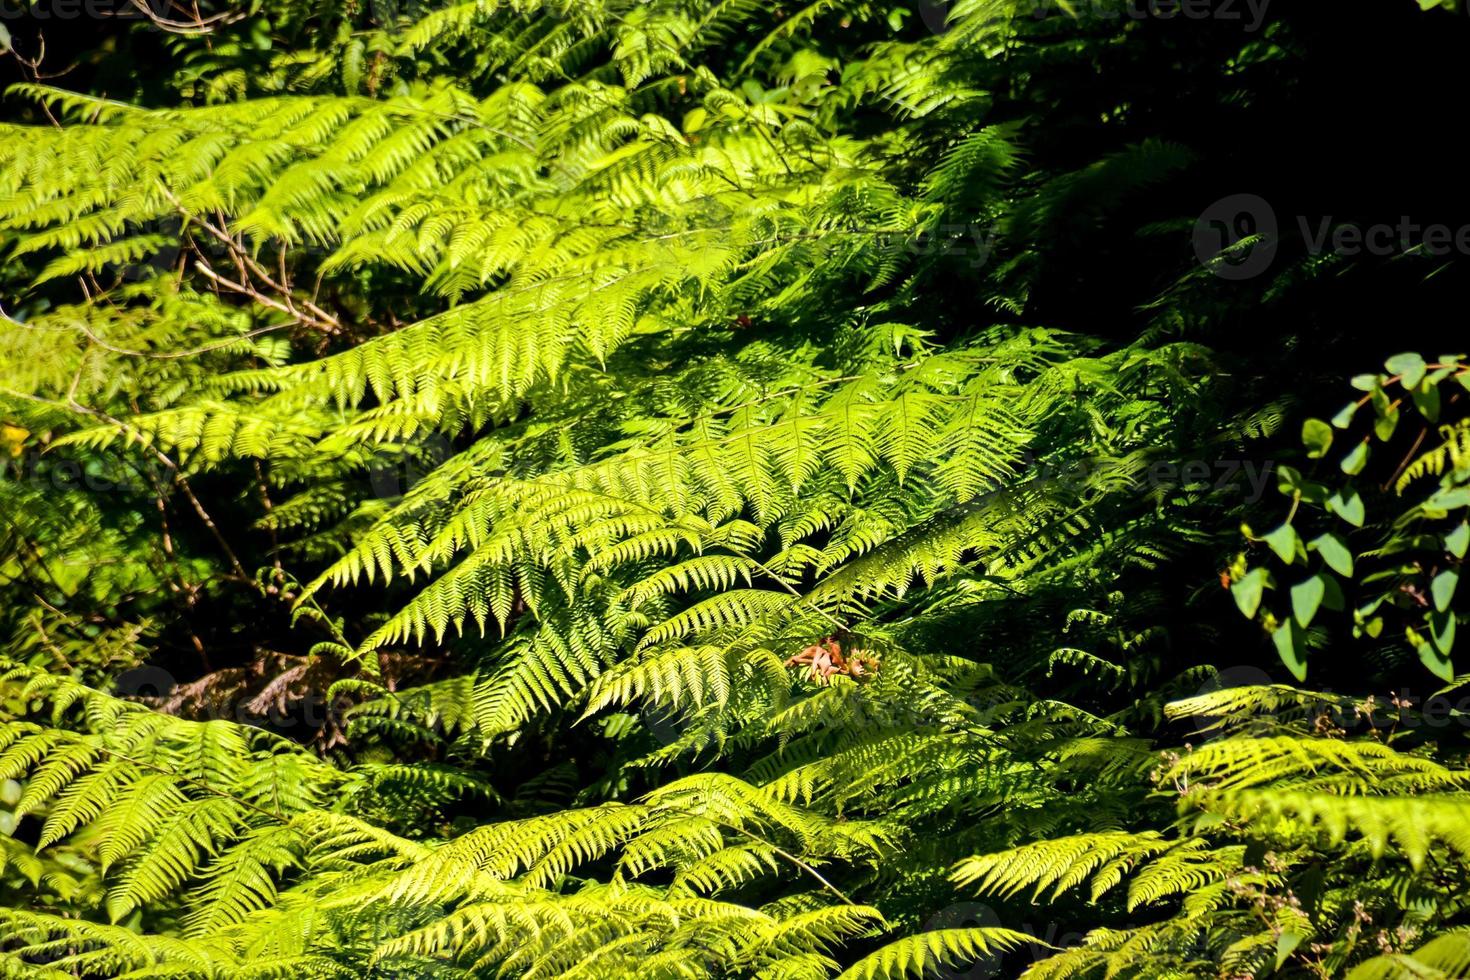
[1388, 572]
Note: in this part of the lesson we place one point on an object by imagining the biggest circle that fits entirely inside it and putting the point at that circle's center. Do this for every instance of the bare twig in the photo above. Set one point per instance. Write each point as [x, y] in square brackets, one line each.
[183, 483]
[192, 28]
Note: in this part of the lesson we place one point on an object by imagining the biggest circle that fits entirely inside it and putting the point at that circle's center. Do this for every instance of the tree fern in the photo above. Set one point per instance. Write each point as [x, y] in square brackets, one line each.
[663, 489]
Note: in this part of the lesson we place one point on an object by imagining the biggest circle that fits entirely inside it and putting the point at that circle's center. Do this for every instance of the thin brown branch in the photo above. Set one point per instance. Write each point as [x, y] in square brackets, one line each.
[198, 26]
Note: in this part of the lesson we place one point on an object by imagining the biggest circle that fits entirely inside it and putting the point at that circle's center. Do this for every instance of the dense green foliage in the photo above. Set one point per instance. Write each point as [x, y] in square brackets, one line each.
[685, 489]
